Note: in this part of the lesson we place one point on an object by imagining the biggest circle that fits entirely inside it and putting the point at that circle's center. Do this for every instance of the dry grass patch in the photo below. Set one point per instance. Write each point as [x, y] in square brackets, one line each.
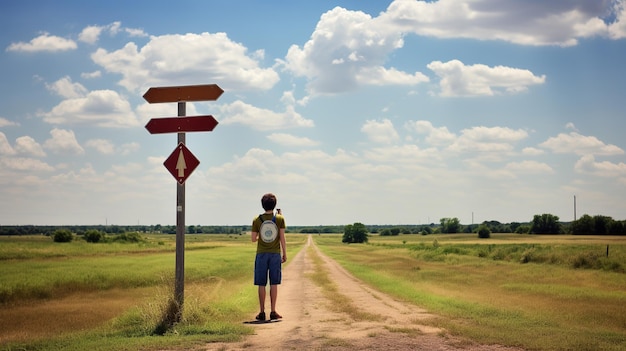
[48, 318]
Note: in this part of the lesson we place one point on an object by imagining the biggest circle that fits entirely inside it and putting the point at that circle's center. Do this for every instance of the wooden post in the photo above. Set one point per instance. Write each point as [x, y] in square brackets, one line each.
[179, 285]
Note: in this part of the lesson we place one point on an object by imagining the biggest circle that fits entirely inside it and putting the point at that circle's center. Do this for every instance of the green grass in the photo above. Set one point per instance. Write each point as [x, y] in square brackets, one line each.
[537, 292]
[543, 304]
[219, 293]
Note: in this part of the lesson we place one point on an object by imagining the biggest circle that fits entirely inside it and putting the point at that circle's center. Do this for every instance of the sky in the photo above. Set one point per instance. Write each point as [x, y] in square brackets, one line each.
[379, 112]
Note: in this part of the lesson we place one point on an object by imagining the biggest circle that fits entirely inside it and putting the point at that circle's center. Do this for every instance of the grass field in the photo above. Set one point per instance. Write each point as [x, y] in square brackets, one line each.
[537, 292]
[46, 289]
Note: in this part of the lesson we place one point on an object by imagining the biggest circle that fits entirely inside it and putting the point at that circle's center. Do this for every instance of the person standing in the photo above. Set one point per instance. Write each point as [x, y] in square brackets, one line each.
[268, 231]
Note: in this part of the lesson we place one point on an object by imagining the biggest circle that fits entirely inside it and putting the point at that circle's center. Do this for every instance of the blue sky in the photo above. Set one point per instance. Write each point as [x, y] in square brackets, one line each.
[378, 112]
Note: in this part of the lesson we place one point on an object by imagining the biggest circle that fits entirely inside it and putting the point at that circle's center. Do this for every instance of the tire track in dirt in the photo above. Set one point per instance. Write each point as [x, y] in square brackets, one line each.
[310, 323]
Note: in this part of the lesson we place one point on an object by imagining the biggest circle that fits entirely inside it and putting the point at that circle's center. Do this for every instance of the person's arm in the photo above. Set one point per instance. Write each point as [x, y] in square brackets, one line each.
[283, 244]
[254, 235]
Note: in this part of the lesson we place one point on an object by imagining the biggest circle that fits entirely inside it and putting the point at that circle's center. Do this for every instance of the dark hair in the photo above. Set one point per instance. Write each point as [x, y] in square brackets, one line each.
[268, 201]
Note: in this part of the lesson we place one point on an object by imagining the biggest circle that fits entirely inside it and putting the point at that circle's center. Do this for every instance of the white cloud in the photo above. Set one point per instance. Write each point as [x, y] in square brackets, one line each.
[171, 60]
[578, 144]
[520, 22]
[532, 151]
[103, 146]
[5, 146]
[588, 164]
[44, 42]
[114, 27]
[291, 140]
[64, 87]
[382, 76]
[457, 79]
[25, 164]
[239, 112]
[617, 29]
[529, 167]
[570, 125]
[434, 136]
[63, 141]
[382, 132]
[490, 144]
[90, 34]
[91, 75]
[494, 134]
[6, 123]
[402, 157]
[103, 108]
[129, 148]
[135, 32]
[348, 48]
[28, 145]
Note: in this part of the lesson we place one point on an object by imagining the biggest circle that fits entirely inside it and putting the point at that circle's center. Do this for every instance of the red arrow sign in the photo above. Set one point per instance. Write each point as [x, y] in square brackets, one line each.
[208, 92]
[181, 124]
[181, 163]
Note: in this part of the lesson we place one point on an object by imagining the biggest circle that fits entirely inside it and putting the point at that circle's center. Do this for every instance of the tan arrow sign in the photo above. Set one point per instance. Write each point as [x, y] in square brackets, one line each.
[181, 163]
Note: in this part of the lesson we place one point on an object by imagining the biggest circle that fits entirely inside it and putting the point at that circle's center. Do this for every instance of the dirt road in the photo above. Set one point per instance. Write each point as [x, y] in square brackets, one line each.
[310, 322]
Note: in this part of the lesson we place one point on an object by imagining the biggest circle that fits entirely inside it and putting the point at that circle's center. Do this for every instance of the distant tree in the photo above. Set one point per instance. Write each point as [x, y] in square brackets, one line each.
[545, 224]
[385, 232]
[583, 225]
[450, 225]
[355, 233]
[62, 236]
[601, 224]
[514, 226]
[616, 228]
[395, 231]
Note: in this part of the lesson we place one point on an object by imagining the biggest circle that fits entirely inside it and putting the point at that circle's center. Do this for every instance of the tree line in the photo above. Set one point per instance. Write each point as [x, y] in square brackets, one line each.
[540, 224]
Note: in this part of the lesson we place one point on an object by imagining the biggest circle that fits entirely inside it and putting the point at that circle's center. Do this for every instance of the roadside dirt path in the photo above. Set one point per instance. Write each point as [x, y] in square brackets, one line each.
[310, 323]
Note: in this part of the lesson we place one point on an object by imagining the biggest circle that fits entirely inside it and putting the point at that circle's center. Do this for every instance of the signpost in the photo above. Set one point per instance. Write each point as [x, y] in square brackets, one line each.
[181, 162]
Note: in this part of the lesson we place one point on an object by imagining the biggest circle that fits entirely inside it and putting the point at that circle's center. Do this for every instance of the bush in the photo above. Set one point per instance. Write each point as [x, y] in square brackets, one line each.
[527, 255]
[133, 237]
[62, 236]
[484, 232]
[385, 232]
[93, 236]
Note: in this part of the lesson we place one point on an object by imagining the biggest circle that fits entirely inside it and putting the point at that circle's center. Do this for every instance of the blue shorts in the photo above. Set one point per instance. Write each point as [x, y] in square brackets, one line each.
[267, 263]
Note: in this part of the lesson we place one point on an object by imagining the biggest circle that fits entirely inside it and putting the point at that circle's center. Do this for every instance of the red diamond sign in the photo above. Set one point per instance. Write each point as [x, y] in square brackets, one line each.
[181, 163]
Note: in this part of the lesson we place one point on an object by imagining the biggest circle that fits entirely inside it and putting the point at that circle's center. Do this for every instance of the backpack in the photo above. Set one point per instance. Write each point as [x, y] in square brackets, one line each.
[268, 230]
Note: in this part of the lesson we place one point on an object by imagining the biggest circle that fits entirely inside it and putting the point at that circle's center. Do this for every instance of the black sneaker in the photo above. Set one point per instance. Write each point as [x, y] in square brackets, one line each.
[260, 316]
[275, 315]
